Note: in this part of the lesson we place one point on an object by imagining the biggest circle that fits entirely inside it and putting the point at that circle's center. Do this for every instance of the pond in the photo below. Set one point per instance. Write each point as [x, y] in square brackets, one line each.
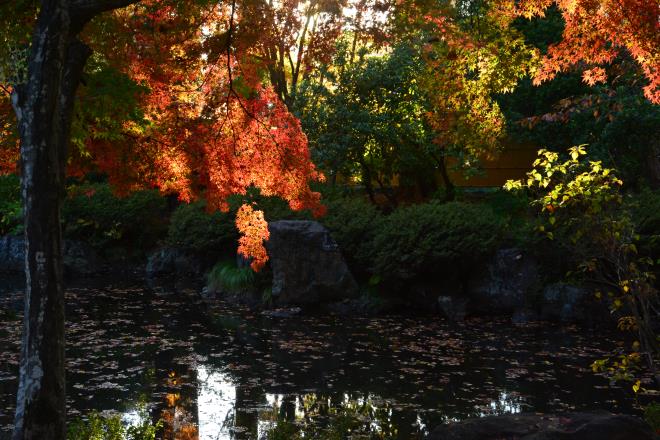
[223, 372]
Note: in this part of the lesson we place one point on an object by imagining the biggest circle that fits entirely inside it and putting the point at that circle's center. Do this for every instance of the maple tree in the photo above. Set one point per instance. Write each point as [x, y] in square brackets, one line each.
[176, 108]
[198, 122]
[296, 35]
[614, 118]
[595, 33]
[292, 40]
[175, 96]
[473, 55]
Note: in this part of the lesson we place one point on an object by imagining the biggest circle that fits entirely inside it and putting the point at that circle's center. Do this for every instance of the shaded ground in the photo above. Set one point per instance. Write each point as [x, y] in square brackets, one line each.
[232, 374]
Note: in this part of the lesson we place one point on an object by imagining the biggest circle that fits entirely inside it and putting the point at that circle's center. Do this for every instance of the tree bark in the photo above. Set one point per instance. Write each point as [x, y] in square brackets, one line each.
[450, 192]
[44, 107]
[366, 181]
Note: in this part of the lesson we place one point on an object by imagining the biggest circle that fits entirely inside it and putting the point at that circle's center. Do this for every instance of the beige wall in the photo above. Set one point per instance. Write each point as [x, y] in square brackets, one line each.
[512, 163]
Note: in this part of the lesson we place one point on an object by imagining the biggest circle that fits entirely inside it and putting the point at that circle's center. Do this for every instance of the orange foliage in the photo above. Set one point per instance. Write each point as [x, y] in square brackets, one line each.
[596, 31]
[9, 141]
[210, 128]
[178, 423]
[216, 131]
[254, 231]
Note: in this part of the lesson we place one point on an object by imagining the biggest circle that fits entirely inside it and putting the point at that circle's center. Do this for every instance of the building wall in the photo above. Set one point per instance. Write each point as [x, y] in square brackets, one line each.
[512, 163]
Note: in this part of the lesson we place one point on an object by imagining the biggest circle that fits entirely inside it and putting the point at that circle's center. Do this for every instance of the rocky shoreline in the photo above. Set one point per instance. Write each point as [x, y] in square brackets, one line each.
[309, 271]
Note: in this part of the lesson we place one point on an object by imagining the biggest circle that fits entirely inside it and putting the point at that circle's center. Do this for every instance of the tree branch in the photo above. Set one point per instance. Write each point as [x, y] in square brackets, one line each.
[77, 57]
[98, 6]
[84, 10]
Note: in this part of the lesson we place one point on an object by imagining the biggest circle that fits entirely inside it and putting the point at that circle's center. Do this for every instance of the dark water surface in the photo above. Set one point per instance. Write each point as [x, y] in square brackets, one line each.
[226, 373]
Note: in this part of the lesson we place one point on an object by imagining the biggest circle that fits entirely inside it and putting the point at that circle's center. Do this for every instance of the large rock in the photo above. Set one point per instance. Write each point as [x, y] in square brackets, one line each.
[563, 302]
[12, 254]
[308, 267]
[567, 426]
[506, 283]
[78, 258]
[452, 307]
[567, 303]
[167, 261]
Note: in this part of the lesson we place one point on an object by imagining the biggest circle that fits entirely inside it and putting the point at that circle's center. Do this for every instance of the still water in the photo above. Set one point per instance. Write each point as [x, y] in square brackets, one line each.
[220, 372]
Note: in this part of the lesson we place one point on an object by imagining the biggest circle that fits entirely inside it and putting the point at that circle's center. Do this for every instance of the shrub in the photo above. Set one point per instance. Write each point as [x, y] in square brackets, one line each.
[507, 204]
[652, 416]
[11, 216]
[581, 208]
[284, 431]
[353, 223]
[92, 213]
[514, 209]
[97, 427]
[276, 209]
[645, 209]
[193, 229]
[423, 239]
[226, 277]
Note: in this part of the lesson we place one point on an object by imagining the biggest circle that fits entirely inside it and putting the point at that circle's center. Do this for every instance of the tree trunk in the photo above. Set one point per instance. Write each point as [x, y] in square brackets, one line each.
[450, 192]
[43, 106]
[366, 181]
[427, 185]
[387, 192]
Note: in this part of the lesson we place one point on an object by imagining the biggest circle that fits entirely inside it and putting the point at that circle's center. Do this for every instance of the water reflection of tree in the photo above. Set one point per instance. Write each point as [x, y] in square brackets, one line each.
[247, 418]
[179, 415]
[333, 416]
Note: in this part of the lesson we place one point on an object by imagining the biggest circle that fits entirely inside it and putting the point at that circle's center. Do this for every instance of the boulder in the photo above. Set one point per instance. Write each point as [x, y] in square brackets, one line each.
[452, 307]
[505, 284]
[563, 302]
[169, 261]
[565, 426]
[78, 258]
[12, 254]
[308, 267]
[207, 293]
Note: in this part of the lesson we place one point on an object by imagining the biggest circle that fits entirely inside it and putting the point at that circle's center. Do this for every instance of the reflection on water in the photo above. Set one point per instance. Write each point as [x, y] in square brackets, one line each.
[504, 404]
[312, 414]
[306, 416]
[227, 373]
[216, 400]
